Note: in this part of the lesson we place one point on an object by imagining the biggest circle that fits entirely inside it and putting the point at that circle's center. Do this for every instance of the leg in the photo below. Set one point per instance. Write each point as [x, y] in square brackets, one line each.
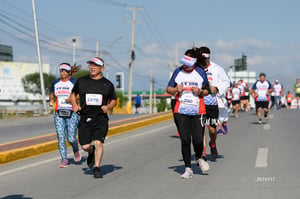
[98, 152]
[61, 136]
[72, 131]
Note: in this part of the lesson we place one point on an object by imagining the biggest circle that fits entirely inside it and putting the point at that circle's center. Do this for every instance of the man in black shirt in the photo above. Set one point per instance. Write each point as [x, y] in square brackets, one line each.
[97, 96]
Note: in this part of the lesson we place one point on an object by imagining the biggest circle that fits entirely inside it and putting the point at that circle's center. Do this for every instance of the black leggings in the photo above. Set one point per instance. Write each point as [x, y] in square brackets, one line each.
[190, 130]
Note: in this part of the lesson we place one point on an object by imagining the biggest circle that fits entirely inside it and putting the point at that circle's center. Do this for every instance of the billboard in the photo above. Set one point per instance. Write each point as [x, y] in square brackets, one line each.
[11, 74]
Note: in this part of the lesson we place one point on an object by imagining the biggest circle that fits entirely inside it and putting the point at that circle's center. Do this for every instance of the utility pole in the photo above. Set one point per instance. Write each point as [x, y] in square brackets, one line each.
[39, 58]
[151, 93]
[132, 57]
[97, 48]
[74, 50]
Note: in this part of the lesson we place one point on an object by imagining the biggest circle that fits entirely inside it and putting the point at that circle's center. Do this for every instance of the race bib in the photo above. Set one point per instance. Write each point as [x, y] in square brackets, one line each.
[63, 104]
[93, 99]
[262, 98]
[188, 98]
[262, 93]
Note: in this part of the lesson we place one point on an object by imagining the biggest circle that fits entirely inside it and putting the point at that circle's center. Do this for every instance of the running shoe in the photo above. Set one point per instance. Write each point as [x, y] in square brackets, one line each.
[77, 156]
[220, 132]
[97, 172]
[187, 174]
[259, 121]
[204, 166]
[91, 158]
[226, 130]
[178, 134]
[266, 117]
[64, 164]
[213, 152]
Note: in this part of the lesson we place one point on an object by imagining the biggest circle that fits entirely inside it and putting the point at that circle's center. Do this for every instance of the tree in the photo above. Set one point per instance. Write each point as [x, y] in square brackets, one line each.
[32, 82]
[81, 73]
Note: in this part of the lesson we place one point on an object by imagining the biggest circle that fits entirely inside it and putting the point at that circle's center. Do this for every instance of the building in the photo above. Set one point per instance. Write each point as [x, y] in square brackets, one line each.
[239, 72]
[11, 86]
[6, 53]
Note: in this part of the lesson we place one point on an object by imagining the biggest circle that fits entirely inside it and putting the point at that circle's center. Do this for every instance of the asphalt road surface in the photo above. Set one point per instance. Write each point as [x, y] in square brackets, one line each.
[255, 161]
[23, 128]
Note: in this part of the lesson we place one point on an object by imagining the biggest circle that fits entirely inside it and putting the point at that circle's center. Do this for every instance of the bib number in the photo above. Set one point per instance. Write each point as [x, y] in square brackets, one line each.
[93, 99]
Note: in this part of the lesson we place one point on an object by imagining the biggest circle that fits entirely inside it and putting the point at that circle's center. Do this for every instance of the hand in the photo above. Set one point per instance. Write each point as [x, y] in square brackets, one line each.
[179, 88]
[68, 100]
[214, 89]
[76, 108]
[196, 90]
[104, 109]
[51, 102]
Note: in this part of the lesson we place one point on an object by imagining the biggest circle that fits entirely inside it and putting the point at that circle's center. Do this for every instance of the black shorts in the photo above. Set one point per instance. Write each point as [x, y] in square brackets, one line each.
[234, 102]
[92, 128]
[262, 104]
[212, 115]
[244, 97]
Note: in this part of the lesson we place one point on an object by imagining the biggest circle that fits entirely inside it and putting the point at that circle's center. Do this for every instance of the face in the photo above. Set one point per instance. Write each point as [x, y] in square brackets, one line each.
[262, 78]
[64, 73]
[188, 68]
[205, 63]
[95, 70]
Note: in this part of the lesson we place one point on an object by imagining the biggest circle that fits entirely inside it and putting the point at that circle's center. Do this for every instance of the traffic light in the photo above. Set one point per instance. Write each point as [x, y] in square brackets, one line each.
[119, 83]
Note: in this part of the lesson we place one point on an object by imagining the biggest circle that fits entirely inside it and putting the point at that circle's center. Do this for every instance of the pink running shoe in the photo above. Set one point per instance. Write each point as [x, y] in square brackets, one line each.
[64, 164]
[77, 156]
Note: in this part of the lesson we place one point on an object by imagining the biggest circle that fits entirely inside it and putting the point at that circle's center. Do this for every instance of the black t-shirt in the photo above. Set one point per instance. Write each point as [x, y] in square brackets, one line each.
[93, 94]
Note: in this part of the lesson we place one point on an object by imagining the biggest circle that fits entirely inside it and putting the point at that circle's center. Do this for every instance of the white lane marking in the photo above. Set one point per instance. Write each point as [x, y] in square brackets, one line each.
[262, 158]
[69, 154]
[29, 166]
[271, 116]
[267, 127]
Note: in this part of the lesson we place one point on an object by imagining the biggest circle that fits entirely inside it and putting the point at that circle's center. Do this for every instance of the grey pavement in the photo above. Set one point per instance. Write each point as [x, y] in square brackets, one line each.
[22, 128]
[255, 161]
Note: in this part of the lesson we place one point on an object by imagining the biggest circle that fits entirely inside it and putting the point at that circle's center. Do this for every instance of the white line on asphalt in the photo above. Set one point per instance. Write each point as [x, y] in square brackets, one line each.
[69, 154]
[262, 158]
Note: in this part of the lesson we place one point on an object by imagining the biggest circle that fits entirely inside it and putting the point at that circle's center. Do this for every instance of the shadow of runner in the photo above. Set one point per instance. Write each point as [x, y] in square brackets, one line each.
[16, 196]
[105, 169]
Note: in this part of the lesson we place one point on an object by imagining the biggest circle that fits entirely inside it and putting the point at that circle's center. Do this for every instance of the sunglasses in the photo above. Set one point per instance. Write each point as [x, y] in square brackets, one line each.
[64, 70]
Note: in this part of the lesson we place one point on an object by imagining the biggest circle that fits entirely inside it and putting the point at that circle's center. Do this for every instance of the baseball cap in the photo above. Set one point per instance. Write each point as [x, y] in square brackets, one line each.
[276, 81]
[97, 61]
[65, 66]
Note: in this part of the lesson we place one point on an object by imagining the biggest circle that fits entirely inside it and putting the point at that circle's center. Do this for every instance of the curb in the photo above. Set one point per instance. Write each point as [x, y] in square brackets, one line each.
[49, 146]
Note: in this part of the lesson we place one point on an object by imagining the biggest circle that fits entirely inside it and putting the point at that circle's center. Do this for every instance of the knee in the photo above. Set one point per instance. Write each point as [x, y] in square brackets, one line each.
[98, 143]
[86, 147]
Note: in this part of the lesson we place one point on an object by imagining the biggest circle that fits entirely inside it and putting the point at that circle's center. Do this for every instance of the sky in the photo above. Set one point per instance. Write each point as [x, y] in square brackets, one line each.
[266, 31]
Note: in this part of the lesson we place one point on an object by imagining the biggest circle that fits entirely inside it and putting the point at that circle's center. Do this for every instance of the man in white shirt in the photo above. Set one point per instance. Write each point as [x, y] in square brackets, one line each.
[278, 89]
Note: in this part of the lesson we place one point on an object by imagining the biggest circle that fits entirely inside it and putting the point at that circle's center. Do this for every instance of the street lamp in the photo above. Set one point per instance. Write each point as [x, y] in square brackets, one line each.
[74, 52]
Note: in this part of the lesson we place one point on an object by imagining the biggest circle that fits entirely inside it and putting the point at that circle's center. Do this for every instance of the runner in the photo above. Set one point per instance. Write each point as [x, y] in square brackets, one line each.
[247, 97]
[65, 119]
[97, 97]
[289, 98]
[189, 84]
[297, 91]
[236, 99]
[243, 98]
[260, 92]
[219, 83]
[278, 90]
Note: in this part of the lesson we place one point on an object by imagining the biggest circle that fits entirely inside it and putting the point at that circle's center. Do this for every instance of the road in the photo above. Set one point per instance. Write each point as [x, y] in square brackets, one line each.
[23, 128]
[255, 161]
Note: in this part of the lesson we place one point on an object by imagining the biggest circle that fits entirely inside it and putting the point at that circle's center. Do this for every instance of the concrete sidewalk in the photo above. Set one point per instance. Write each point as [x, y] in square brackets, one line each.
[17, 150]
